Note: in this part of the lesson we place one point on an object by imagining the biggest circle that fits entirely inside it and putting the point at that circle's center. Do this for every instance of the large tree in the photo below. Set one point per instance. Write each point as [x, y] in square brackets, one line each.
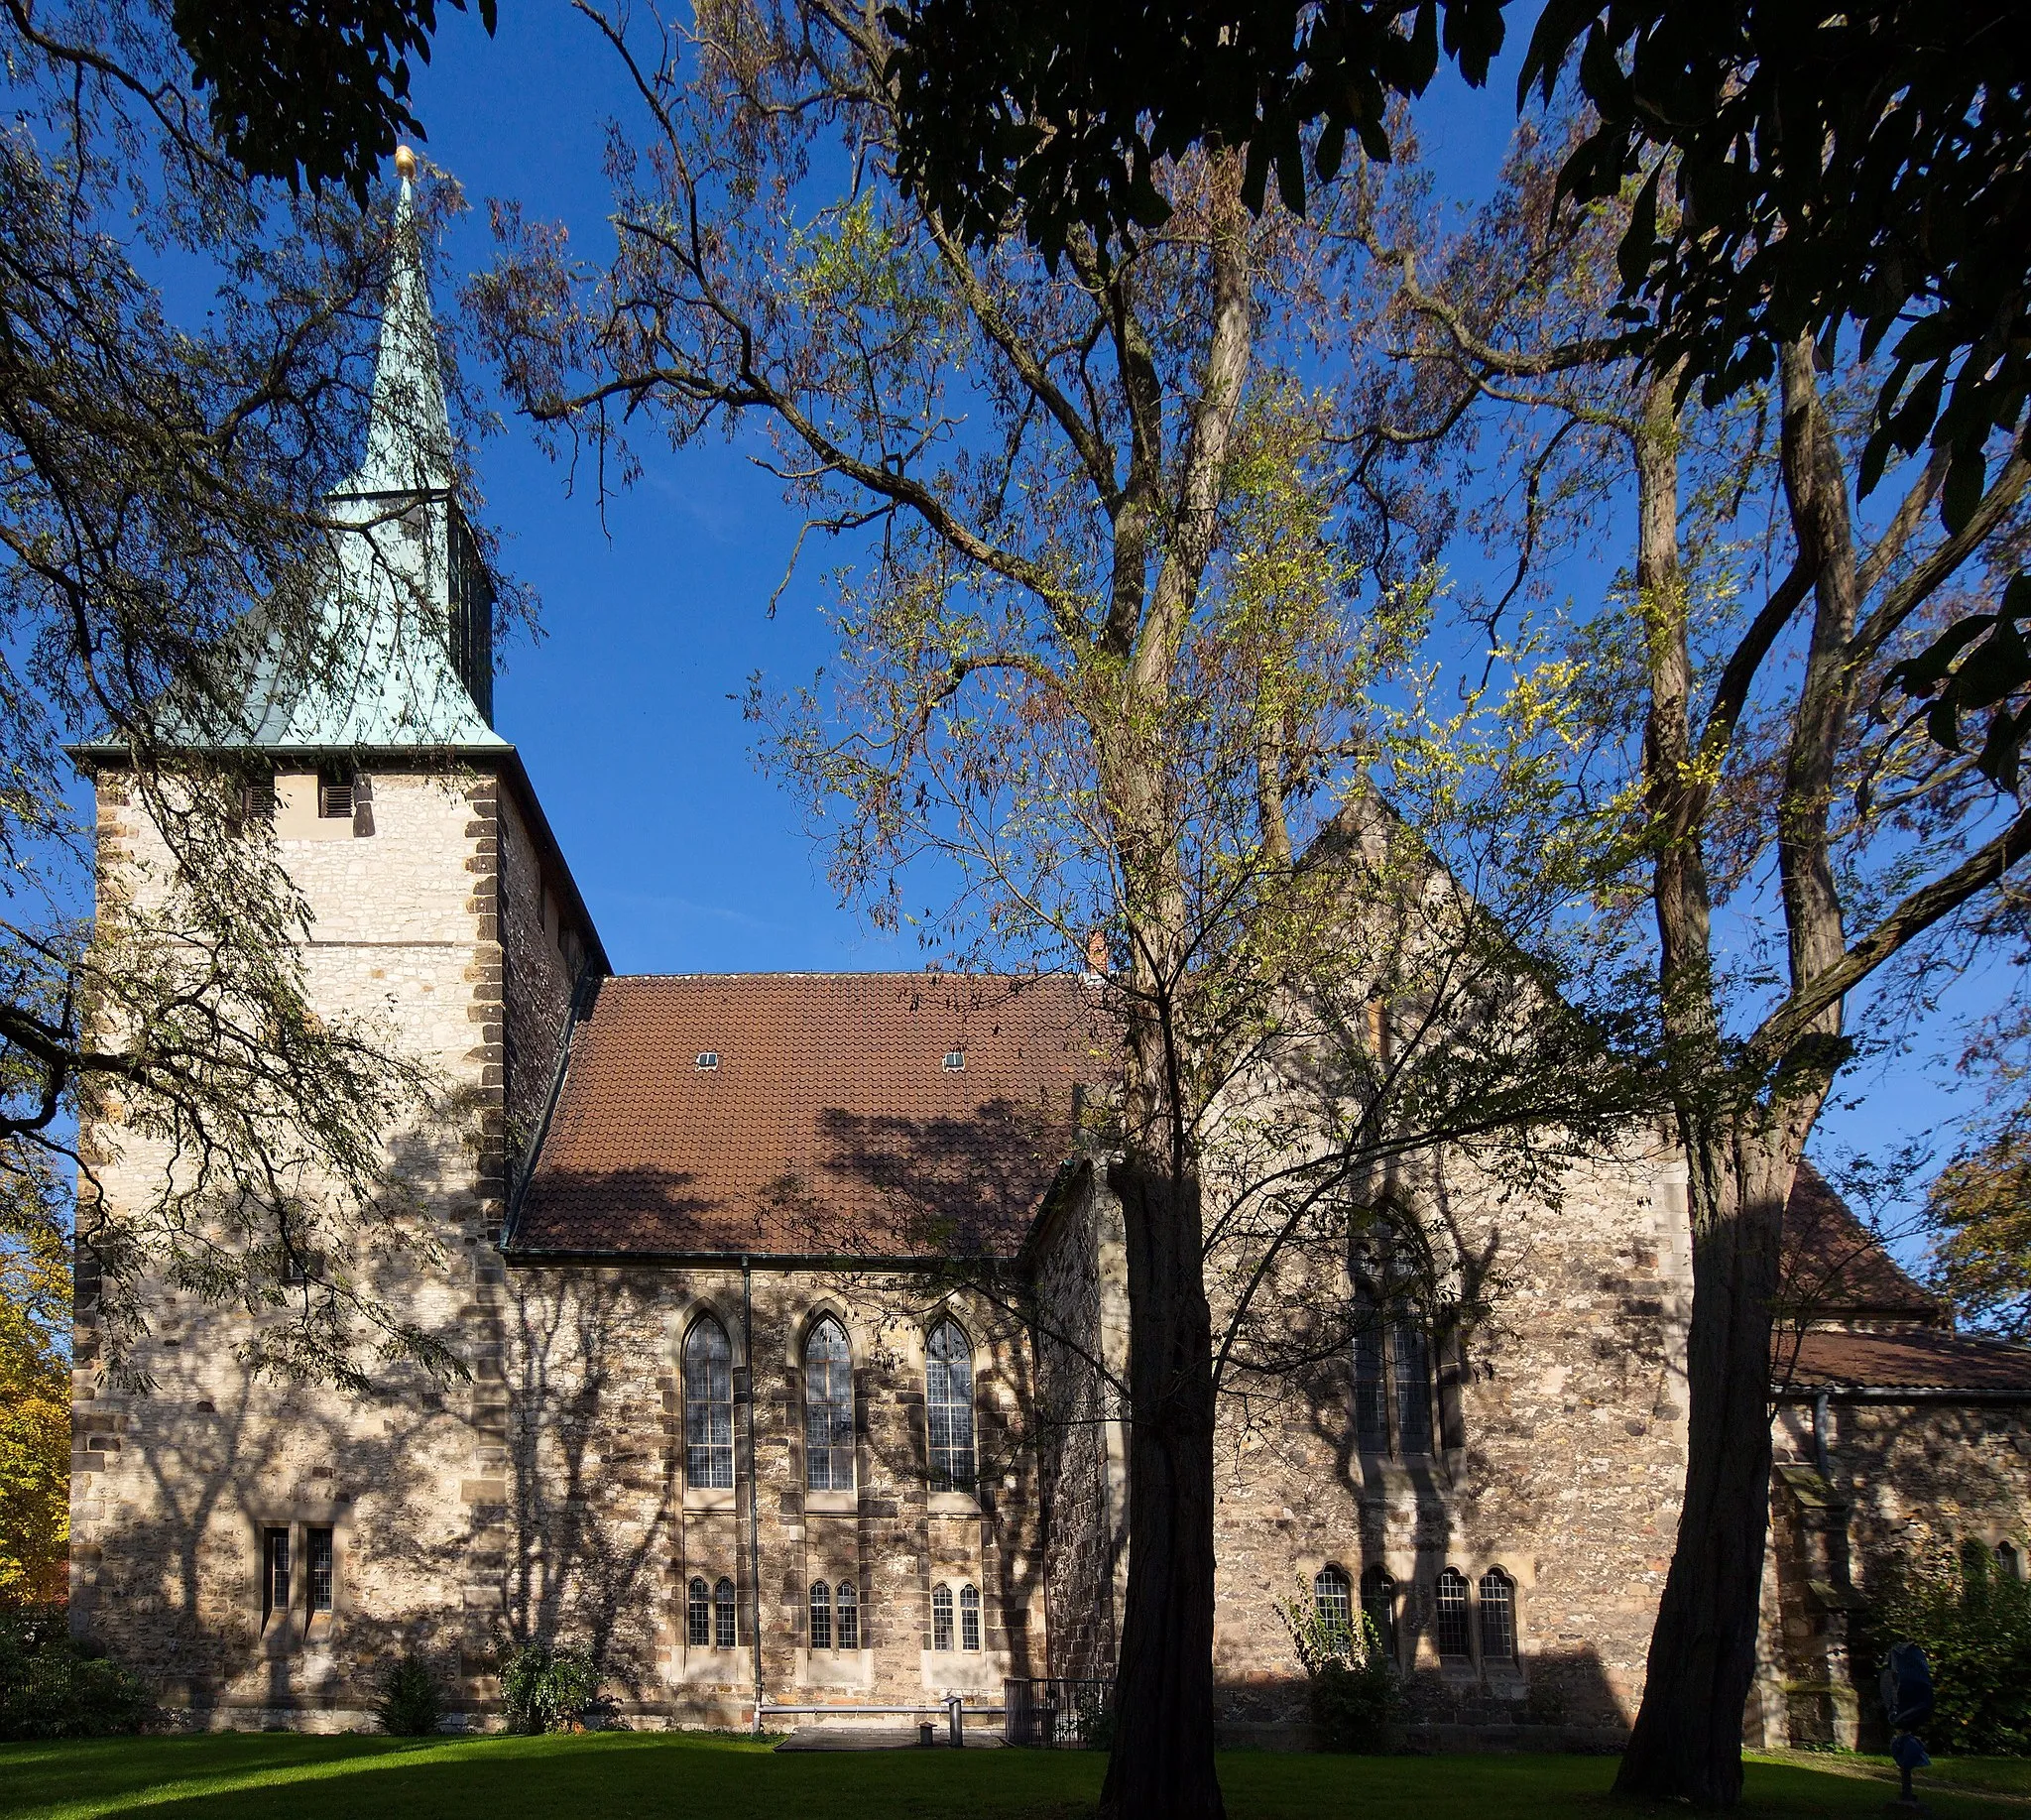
[1786, 848]
[1105, 666]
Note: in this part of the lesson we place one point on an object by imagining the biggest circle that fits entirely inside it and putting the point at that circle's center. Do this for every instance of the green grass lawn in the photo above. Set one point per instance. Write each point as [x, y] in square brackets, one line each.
[633, 1776]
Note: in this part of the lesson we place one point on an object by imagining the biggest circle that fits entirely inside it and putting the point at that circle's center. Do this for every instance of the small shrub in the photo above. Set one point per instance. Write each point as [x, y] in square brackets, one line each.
[1351, 1682]
[552, 1690]
[409, 1705]
[52, 1685]
[1973, 1624]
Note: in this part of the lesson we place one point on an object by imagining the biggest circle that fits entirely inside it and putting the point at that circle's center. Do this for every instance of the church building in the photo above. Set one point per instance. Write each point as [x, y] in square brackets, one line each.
[728, 1422]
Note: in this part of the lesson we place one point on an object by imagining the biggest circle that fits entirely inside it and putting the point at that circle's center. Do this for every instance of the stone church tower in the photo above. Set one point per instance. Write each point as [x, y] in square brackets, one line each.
[224, 1527]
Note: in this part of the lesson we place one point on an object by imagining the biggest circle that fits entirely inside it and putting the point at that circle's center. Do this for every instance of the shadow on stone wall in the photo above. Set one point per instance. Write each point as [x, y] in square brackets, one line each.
[581, 1546]
[1559, 1700]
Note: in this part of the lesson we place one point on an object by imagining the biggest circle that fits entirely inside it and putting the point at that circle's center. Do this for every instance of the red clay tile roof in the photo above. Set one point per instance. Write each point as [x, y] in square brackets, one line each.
[1833, 1270]
[1914, 1357]
[831, 1124]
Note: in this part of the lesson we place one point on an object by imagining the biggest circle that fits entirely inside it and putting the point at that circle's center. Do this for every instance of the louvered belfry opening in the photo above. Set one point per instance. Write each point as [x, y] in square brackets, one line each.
[469, 629]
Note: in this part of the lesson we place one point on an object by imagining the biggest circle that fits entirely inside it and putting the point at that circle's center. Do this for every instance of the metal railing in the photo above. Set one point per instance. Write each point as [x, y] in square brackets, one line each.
[1069, 1715]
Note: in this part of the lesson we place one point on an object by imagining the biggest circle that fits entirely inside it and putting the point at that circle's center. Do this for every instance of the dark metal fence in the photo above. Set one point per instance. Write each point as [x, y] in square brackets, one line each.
[1072, 1715]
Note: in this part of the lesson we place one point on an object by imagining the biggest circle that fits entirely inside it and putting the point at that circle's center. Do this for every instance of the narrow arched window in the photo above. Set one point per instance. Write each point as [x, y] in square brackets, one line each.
[821, 1615]
[1413, 1371]
[1370, 1376]
[2010, 1561]
[1451, 1633]
[828, 1409]
[1379, 1606]
[1498, 1617]
[849, 1615]
[941, 1617]
[698, 1615]
[1333, 1602]
[708, 1407]
[1391, 1346]
[725, 1630]
[969, 1617]
[948, 1408]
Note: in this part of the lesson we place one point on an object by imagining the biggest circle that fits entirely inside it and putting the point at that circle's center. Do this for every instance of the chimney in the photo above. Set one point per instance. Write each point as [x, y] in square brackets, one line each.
[1097, 960]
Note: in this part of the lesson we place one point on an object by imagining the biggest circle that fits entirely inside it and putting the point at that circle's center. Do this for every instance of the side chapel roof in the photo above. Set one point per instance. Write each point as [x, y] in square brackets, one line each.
[1835, 1268]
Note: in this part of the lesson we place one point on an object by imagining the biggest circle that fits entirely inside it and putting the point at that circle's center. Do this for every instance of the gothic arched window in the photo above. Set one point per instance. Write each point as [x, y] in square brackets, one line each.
[821, 1615]
[849, 1606]
[725, 1629]
[828, 1408]
[1498, 1617]
[698, 1615]
[948, 1408]
[1393, 1354]
[1378, 1604]
[941, 1617]
[1450, 1630]
[708, 1406]
[969, 1617]
[1333, 1602]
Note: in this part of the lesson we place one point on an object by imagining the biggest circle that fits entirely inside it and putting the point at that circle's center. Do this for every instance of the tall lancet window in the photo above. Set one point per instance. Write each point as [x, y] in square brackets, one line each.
[708, 1406]
[948, 1408]
[828, 1408]
[1392, 1352]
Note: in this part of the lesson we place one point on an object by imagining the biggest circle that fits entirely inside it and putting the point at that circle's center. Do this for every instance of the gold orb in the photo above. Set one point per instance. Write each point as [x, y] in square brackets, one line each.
[405, 162]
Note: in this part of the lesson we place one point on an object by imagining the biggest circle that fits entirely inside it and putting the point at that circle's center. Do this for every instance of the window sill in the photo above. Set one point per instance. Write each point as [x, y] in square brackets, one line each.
[710, 1498]
[953, 1503]
[832, 1504]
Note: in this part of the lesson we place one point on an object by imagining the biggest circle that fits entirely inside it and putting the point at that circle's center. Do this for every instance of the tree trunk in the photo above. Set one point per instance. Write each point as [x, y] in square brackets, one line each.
[1687, 1742]
[1162, 1765]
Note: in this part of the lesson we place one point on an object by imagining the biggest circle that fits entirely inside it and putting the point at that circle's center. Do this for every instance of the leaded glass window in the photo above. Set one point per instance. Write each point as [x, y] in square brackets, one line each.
[1371, 1381]
[698, 1615]
[725, 1631]
[1379, 1603]
[849, 1612]
[969, 1617]
[1498, 1617]
[948, 1407]
[1413, 1363]
[821, 1615]
[941, 1617]
[1393, 1354]
[1451, 1628]
[708, 1407]
[828, 1409]
[1333, 1602]
[275, 1572]
[318, 1553]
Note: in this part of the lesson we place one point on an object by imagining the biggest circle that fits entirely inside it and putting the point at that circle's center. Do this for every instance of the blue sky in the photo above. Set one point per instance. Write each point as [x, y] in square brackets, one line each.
[654, 616]
[689, 858]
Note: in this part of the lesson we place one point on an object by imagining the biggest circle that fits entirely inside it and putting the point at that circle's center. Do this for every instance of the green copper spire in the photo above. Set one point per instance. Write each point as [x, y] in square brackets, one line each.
[409, 434]
[405, 649]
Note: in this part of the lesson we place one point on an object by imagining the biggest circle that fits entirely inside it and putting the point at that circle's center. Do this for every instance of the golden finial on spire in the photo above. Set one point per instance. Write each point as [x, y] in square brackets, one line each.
[405, 162]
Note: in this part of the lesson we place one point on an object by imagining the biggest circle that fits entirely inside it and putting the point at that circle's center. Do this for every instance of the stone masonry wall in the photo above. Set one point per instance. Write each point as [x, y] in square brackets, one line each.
[537, 977]
[606, 1536]
[1080, 1274]
[172, 1490]
[1573, 1421]
[1903, 1479]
